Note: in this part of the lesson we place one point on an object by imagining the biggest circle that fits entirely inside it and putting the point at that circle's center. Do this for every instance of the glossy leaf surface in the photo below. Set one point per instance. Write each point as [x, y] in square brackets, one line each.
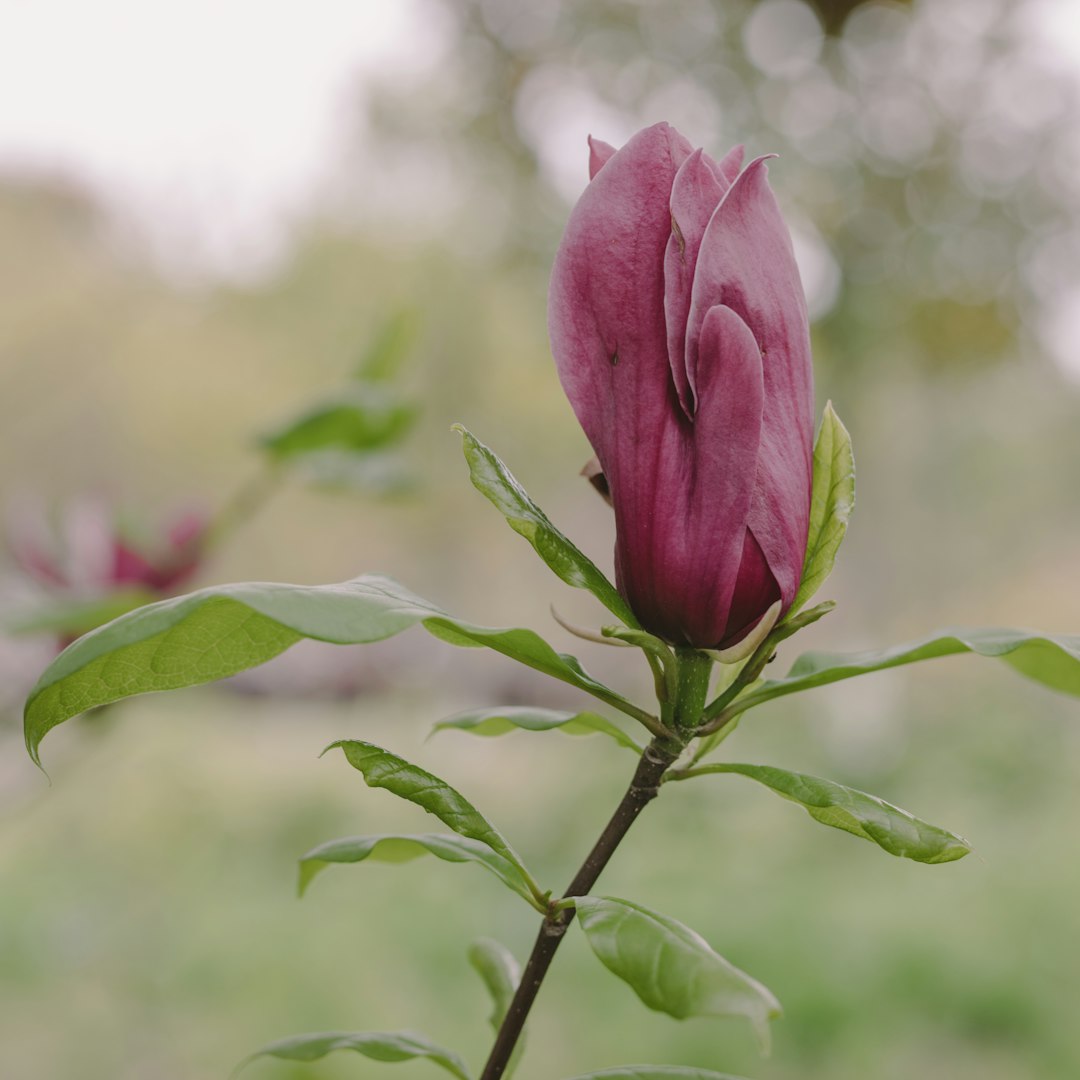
[222, 630]
[384, 1046]
[496, 483]
[866, 816]
[832, 499]
[1053, 660]
[490, 722]
[671, 967]
[382, 769]
[399, 848]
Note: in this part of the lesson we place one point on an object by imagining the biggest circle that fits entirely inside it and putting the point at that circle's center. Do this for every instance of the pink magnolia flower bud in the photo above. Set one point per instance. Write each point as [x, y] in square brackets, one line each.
[679, 328]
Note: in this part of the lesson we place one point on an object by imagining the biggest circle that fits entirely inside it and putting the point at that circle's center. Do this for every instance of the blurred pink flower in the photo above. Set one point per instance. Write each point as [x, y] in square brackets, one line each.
[86, 554]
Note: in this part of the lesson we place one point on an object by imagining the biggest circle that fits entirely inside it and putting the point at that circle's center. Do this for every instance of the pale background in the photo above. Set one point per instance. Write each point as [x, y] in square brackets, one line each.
[205, 212]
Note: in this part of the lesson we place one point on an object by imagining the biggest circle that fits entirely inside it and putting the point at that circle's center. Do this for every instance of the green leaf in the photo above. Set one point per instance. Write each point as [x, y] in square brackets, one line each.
[72, 617]
[375, 473]
[866, 816]
[489, 722]
[832, 498]
[498, 969]
[385, 1046]
[1053, 660]
[655, 1072]
[361, 418]
[222, 630]
[382, 769]
[399, 848]
[670, 967]
[496, 966]
[496, 483]
[382, 360]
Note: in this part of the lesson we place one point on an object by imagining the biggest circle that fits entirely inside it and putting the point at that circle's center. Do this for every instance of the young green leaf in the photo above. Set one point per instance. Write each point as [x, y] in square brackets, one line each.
[498, 969]
[496, 483]
[656, 1072]
[382, 769]
[1053, 660]
[866, 816]
[670, 967]
[496, 966]
[361, 418]
[489, 722]
[832, 498]
[394, 341]
[380, 472]
[222, 630]
[385, 1046]
[399, 848]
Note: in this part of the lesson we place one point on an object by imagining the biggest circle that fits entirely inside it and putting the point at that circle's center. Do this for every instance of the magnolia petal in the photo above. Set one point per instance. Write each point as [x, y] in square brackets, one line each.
[679, 331]
[186, 530]
[679, 579]
[755, 591]
[695, 194]
[729, 166]
[739, 652]
[88, 532]
[599, 152]
[746, 262]
[129, 566]
[32, 543]
[605, 311]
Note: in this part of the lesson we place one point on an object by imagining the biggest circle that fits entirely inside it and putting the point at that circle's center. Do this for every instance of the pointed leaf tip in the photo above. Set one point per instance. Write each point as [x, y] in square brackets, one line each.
[832, 499]
[381, 1046]
[866, 816]
[383, 769]
[402, 847]
[1050, 659]
[497, 484]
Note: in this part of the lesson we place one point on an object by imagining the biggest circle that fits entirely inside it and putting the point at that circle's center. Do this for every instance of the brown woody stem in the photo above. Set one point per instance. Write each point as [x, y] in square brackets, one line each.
[644, 787]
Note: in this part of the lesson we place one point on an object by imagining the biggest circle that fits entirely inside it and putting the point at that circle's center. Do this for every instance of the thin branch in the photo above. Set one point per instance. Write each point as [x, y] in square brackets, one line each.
[644, 787]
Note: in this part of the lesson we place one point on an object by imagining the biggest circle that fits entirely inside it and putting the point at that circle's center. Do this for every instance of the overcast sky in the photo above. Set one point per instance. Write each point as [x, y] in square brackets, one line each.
[204, 120]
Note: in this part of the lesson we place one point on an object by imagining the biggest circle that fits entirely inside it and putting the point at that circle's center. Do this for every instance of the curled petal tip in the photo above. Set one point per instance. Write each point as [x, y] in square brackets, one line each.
[600, 153]
[740, 651]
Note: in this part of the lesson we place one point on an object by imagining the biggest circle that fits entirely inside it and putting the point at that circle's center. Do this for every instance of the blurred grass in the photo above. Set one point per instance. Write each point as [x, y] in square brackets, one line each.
[150, 925]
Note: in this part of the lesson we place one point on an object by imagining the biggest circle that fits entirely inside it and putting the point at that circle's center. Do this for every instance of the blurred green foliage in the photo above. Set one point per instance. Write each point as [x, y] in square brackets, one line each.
[927, 154]
[148, 920]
